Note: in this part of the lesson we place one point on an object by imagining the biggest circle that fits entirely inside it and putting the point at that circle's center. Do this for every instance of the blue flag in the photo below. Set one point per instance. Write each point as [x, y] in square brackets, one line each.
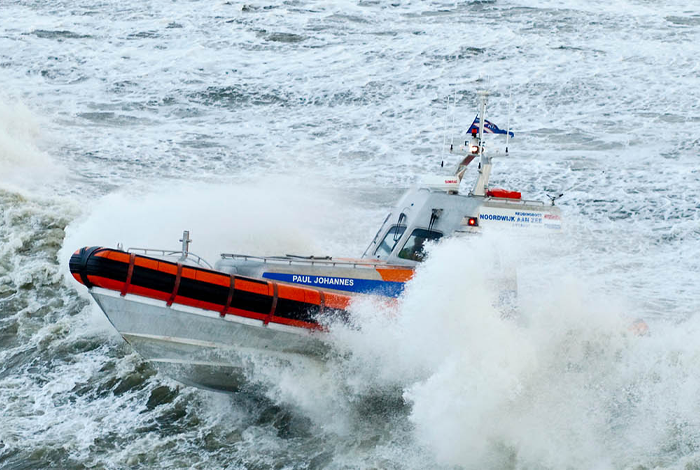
[489, 127]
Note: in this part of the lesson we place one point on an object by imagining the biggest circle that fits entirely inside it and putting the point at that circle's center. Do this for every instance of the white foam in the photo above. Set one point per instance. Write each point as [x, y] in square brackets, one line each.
[565, 383]
[272, 216]
[605, 109]
[23, 163]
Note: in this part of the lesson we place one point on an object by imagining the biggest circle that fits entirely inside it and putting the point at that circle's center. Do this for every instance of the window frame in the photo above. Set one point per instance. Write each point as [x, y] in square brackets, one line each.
[403, 247]
[391, 231]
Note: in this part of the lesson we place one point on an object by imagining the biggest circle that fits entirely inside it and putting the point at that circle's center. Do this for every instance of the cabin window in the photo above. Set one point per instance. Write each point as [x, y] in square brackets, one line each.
[391, 238]
[413, 248]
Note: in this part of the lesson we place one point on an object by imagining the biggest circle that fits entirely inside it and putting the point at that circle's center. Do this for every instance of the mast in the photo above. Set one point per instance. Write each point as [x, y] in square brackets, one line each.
[485, 164]
[510, 96]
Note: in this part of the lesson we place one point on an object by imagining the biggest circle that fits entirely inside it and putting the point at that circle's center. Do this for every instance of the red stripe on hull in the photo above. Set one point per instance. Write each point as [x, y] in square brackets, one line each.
[271, 290]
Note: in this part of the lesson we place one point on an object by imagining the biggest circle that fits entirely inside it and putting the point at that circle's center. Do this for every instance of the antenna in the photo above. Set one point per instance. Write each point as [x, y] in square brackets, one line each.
[554, 198]
[510, 95]
[444, 126]
[454, 108]
[482, 119]
[185, 244]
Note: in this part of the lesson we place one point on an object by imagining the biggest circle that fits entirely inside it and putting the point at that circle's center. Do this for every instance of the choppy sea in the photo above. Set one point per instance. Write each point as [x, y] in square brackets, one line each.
[293, 127]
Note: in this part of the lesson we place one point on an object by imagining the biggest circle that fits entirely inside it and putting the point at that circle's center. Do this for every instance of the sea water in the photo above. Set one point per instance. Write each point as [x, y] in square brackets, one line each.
[293, 127]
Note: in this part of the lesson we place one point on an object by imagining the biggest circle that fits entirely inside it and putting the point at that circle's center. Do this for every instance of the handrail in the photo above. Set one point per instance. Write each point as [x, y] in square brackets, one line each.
[195, 258]
[519, 202]
[312, 262]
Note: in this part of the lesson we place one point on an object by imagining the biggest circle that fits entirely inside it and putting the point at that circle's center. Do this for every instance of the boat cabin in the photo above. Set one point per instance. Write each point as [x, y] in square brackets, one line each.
[424, 214]
[435, 209]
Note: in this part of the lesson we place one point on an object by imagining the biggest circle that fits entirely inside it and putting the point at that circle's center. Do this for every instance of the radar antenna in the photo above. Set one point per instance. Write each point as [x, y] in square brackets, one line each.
[555, 197]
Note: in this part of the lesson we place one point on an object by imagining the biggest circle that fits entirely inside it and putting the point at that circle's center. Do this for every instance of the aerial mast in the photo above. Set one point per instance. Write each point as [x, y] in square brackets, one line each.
[485, 164]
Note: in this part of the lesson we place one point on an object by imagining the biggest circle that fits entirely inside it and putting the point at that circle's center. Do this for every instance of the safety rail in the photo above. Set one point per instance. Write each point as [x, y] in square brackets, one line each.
[291, 260]
[515, 202]
[198, 260]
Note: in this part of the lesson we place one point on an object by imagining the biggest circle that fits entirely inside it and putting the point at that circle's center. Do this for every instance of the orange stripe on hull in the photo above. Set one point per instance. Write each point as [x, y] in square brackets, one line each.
[270, 290]
[395, 274]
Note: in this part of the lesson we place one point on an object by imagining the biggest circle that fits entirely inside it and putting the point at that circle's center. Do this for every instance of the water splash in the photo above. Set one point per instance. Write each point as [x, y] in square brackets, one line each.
[270, 216]
[565, 384]
[23, 162]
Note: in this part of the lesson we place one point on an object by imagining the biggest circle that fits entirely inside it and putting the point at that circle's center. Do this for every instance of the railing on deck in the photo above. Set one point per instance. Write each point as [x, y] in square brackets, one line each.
[291, 260]
[182, 256]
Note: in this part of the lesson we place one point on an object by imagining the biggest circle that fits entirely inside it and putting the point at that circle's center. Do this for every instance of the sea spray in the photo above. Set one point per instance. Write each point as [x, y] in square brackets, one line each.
[560, 381]
[24, 162]
[565, 383]
[271, 216]
[132, 93]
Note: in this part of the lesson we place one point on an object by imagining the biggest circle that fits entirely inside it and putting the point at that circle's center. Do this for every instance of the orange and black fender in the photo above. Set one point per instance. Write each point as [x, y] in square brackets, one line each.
[268, 301]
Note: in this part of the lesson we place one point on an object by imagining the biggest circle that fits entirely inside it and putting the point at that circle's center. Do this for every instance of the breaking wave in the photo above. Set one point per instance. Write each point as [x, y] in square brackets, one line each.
[23, 162]
[564, 383]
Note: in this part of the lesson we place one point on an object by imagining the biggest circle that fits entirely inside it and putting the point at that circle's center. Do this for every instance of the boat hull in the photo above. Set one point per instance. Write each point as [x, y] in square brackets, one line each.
[201, 326]
[198, 347]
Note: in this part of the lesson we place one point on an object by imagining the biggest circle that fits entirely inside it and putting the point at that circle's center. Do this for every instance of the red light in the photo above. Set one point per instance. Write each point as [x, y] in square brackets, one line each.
[473, 222]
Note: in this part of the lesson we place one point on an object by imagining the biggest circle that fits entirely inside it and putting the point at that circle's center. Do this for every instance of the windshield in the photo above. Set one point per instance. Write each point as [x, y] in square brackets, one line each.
[391, 238]
[413, 248]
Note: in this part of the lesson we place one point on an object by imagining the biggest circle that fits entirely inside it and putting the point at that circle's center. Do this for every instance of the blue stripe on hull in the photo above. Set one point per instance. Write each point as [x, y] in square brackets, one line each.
[348, 284]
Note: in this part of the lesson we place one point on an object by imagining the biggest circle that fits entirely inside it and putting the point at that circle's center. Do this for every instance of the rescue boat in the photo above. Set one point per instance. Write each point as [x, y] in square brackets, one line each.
[202, 323]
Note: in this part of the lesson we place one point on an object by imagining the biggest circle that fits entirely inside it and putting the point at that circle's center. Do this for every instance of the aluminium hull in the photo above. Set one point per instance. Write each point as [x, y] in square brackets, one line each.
[198, 347]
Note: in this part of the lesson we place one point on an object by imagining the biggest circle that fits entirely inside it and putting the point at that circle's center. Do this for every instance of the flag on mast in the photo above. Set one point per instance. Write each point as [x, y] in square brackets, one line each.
[489, 127]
